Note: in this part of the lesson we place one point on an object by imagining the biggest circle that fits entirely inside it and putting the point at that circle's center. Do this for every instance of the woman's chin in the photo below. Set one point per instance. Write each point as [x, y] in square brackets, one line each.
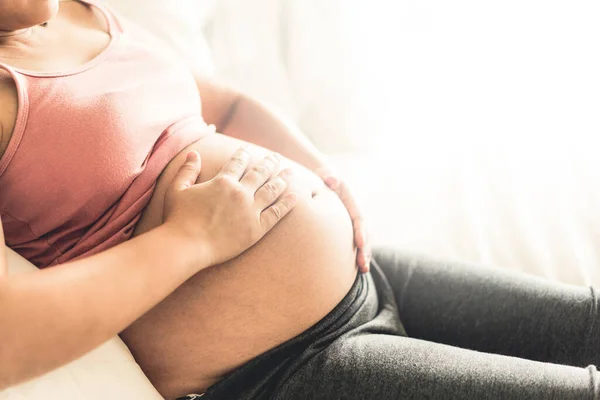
[46, 11]
[26, 16]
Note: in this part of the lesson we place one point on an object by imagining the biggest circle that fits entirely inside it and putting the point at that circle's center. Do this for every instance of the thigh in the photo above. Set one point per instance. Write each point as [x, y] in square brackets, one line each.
[494, 310]
[372, 366]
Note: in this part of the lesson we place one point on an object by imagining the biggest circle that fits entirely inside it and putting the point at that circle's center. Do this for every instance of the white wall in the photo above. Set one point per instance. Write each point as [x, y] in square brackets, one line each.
[509, 73]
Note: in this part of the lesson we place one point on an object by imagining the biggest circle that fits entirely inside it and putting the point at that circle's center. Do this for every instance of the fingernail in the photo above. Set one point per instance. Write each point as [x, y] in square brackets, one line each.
[332, 182]
[192, 156]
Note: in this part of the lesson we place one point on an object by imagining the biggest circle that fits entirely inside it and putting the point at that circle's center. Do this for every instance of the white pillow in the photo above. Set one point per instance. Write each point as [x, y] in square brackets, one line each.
[108, 372]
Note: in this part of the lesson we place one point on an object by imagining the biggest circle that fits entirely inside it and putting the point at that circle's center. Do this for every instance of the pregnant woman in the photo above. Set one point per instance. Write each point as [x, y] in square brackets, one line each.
[231, 273]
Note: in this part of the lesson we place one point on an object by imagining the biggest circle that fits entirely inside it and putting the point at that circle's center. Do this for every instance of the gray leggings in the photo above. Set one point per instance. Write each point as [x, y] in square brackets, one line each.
[435, 330]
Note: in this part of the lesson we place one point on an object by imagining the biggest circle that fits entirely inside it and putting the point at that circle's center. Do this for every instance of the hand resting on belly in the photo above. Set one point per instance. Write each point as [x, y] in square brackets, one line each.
[228, 314]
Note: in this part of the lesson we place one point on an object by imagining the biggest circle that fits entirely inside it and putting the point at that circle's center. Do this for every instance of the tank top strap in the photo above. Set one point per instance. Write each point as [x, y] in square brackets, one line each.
[21, 83]
[11, 71]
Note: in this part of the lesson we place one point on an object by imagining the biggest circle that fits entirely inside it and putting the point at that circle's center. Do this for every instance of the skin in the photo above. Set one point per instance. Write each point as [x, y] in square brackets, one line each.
[229, 313]
[23, 14]
[133, 273]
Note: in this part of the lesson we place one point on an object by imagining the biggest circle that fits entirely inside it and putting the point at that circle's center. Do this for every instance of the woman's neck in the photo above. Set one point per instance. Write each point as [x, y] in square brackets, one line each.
[18, 32]
[18, 38]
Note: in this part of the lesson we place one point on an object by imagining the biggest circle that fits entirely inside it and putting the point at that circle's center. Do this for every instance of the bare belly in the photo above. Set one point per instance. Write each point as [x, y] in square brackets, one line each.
[228, 314]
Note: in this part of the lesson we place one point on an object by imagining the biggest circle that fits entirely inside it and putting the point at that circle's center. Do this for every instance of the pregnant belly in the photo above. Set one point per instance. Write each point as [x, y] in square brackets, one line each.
[228, 314]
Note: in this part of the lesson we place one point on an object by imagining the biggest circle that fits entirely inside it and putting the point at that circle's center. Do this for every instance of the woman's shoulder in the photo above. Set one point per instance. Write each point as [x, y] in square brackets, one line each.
[8, 109]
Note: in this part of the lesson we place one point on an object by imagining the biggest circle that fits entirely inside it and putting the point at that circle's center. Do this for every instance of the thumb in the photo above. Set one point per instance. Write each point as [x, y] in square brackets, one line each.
[188, 172]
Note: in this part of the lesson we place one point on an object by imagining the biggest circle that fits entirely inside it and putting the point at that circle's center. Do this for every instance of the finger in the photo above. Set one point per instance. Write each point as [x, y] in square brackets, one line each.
[369, 258]
[348, 201]
[360, 237]
[237, 164]
[332, 182]
[270, 191]
[272, 215]
[363, 261]
[261, 172]
[188, 172]
[360, 260]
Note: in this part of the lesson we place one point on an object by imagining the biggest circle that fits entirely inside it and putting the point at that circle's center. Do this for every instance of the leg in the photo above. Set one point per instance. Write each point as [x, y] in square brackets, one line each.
[494, 311]
[366, 366]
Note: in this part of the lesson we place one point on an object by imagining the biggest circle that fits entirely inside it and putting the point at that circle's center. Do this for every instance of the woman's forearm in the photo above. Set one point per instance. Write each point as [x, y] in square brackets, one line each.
[51, 317]
[237, 115]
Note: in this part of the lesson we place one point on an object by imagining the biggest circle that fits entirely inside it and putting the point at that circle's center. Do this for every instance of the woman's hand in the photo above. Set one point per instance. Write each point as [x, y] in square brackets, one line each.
[361, 240]
[231, 212]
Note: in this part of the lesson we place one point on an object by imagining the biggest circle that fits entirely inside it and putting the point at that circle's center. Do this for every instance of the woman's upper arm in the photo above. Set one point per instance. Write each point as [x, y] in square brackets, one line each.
[218, 101]
[8, 116]
[8, 109]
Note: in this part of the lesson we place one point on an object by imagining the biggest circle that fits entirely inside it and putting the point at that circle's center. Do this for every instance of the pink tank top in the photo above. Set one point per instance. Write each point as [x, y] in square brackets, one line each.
[88, 147]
